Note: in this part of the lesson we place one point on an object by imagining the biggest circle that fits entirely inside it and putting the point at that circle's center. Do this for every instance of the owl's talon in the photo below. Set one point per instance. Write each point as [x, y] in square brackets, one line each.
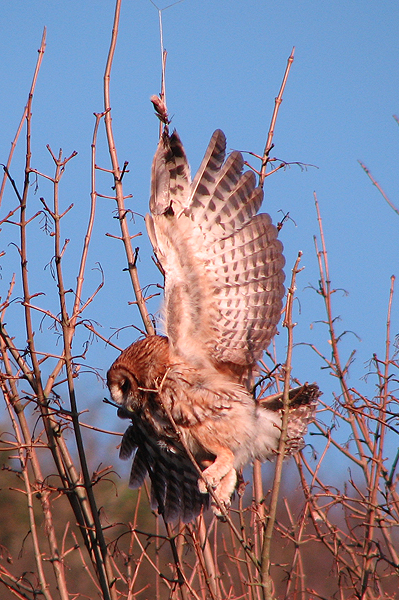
[203, 484]
[224, 503]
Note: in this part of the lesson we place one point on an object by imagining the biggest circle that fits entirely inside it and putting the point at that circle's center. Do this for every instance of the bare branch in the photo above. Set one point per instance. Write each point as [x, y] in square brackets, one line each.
[379, 188]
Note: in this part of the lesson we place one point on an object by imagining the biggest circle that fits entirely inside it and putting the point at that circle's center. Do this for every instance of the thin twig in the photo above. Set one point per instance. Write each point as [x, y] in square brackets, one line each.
[271, 517]
[278, 101]
[117, 173]
[379, 188]
[41, 51]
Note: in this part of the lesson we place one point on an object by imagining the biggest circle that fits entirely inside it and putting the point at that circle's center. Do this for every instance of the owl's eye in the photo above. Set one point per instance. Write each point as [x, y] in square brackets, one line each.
[125, 387]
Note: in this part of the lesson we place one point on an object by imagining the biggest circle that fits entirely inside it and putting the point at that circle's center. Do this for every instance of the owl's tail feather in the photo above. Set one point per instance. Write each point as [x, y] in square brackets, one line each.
[174, 488]
[303, 403]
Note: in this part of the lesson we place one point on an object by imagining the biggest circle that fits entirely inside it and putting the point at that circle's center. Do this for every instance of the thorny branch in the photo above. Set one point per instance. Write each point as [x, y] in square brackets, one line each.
[271, 517]
[379, 188]
[118, 175]
[278, 101]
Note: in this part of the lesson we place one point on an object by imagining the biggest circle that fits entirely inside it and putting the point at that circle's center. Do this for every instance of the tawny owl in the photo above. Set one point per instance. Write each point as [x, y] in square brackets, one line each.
[188, 393]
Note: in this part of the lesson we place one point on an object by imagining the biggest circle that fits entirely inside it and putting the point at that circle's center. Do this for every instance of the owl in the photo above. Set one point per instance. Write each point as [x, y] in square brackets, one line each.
[194, 420]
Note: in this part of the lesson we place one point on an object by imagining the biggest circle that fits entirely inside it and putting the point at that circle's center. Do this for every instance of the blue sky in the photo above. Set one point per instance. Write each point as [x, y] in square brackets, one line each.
[226, 60]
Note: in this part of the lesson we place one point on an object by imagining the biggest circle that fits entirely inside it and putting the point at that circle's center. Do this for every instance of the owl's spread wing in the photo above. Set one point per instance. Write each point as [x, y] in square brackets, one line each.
[223, 262]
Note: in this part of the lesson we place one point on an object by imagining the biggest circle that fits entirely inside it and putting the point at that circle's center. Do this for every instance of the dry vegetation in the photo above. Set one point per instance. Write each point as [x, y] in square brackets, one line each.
[67, 531]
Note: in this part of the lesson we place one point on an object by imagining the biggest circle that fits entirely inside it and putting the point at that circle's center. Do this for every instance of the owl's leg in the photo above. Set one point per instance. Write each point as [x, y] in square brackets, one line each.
[224, 491]
[221, 466]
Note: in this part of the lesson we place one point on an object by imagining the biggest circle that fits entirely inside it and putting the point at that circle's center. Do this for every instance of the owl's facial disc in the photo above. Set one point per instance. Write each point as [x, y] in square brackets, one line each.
[123, 387]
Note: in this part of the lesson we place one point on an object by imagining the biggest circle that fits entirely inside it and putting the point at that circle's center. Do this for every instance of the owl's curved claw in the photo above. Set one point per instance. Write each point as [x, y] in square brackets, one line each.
[223, 503]
[218, 513]
[204, 483]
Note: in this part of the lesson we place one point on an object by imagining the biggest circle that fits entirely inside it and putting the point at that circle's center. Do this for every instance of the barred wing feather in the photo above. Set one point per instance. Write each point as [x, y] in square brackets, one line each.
[223, 262]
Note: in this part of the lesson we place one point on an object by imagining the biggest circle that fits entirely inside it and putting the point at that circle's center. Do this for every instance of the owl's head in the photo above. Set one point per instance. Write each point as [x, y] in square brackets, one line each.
[123, 386]
[138, 371]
